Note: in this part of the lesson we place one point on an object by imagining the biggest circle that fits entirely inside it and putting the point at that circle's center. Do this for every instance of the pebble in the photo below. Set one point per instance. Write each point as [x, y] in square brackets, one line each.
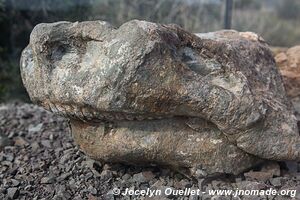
[92, 190]
[48, 179]
[35, 129]
[258, 175]
[182, 184]
[12, 193]
[35, 146]
[276, 181]
[4, 141]
[126, 177]
[143, 177]
[109, 195]
[106, 174]
[64, 176]
[46, 143]
[15, 182]
[19, 141]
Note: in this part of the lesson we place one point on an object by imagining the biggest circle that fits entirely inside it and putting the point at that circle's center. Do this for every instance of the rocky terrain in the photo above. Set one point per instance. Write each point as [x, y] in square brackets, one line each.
[39, 160]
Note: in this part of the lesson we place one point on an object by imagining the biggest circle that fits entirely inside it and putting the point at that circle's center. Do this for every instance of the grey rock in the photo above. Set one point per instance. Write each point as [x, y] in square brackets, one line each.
[9, 157]
[213, 101]
[64, 158]
[250, 185]
[46, 143]
[48, 179]
[12, 193]
[35, 146]
[92, 190]
[258, 175]
[15, 182]
[63, 176]
[34, 129]
[143, 177]
[276, 181]
[4, 141]
[109, 195]
[106, 174]
[19, 141]
[182, 184]
[126, 177]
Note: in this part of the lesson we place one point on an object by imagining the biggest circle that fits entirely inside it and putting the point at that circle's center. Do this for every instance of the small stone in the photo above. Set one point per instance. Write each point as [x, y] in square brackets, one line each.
[143, 177]
[260, 176]
[48, 180]
[35, 129]
[159, 183]
[216, 184]
[64, 176]
[28, 187]
[9, 157]
[106, 166]
[199, 173]
[93, 165]
[109, 195]
[92, 190]
[5, 141]
[7, 163]
[276, 181]
[182, 184]
[238, 179]
[91, 197]
[125, 177]
[20, 141]
[64, 158]
[51, 137]
[15, 182]
[35, 146]
[12, 193]
[250, 185]
[106, 174]
[88, 176]
[46, 143]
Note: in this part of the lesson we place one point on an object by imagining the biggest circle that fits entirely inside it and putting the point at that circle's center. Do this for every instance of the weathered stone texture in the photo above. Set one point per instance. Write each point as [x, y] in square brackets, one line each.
[147, 93]
[289, 65]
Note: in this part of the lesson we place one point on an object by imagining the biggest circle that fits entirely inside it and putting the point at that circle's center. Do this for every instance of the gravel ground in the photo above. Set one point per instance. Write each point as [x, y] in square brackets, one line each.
[39, 160]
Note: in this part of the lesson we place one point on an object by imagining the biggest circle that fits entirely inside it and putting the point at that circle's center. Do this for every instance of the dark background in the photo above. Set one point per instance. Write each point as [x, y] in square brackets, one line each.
[278, 21]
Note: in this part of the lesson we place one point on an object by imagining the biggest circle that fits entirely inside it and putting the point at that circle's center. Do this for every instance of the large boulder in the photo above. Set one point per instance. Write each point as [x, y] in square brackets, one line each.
[152, 93]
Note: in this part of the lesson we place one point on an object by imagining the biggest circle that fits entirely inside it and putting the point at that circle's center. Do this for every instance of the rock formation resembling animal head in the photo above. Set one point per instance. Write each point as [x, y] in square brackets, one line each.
[152, 93]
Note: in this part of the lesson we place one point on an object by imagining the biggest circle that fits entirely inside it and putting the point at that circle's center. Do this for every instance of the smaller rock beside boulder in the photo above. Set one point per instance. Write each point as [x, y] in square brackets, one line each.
[289, 65]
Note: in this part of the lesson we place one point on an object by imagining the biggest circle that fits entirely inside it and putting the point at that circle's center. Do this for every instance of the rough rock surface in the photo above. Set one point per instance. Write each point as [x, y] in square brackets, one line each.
[289, 65]
[155, 93]
[42, 162]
